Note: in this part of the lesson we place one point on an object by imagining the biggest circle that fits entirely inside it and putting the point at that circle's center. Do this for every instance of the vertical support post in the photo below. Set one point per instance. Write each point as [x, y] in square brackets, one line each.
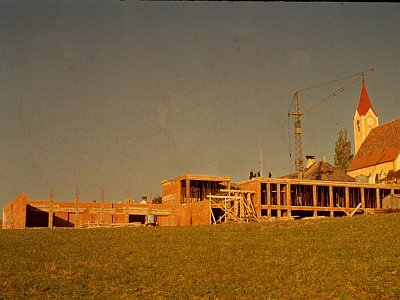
[77, 201]
[268, 187]
[378, 198]
[51, 200]
[225, 211]
[256, 203]
[187, 190]
[362, 190]
[289, 199]
[113, 212]
[239, 203]
[235, 204]
[102, 202]
[331, 201]
[347, 197]
[211, 212]
[173, 221]
[126, 216]
[278, 199]
[315, 200]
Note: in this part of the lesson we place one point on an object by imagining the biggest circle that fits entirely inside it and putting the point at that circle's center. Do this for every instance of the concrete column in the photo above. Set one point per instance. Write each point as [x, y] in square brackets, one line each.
[278, 199]
[257, 198]
[77, 209]
[362, 192]
[315, 200]
[51, 215]
[50, 223]
[127, 211]
[113, 212]
[331, 200]
[288, 200]
[378, 199]
[268, 187]
[187, 191]
[347, 197]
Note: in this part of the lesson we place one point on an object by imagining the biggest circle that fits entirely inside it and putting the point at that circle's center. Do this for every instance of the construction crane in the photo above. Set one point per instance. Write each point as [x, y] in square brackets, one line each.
[295, 111]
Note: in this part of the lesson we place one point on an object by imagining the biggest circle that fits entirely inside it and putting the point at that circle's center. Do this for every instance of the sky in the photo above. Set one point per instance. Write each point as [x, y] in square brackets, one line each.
[117, 96]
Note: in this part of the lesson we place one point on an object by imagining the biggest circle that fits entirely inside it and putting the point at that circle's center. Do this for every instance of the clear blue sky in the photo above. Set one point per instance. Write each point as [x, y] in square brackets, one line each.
[122, 94]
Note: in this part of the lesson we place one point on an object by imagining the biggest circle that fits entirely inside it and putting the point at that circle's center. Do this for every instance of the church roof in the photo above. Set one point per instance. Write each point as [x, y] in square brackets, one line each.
[323, 170]
[364, 104]
[381, 145]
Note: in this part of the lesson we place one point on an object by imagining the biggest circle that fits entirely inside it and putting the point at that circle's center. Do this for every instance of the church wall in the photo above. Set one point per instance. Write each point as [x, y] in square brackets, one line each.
[372, 171]
[396, 164]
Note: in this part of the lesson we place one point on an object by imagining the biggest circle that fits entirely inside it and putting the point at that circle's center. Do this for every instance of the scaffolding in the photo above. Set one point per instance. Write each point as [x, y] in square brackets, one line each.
[232, 206]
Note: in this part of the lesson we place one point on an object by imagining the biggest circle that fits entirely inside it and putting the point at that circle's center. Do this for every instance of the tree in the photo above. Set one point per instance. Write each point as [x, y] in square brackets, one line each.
[343, 155]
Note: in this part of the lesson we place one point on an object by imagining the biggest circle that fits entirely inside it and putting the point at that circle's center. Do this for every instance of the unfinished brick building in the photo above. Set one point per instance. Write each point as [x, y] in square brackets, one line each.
[24, 213]
[187, 196]
[195, 202]
[202, 199]
[276, 197]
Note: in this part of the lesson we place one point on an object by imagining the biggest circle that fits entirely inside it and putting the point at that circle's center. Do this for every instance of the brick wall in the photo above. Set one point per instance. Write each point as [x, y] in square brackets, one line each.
[21, 213]
[197, 213]
[14, 213]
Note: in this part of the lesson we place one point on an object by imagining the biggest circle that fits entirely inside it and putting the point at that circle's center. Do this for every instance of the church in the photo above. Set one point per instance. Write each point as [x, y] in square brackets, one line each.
[377, 147]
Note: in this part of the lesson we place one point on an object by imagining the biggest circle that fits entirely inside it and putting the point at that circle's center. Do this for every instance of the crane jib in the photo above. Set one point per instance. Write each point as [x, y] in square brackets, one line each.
[297, 113]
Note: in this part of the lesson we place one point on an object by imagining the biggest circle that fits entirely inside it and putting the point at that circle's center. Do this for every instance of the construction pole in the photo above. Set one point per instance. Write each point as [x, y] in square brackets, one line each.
[102, 203]
[77, 198]
[261, 161]
[51, 200]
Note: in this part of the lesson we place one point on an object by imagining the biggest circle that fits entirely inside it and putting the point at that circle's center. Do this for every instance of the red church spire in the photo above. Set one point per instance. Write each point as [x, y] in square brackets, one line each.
[364, 104]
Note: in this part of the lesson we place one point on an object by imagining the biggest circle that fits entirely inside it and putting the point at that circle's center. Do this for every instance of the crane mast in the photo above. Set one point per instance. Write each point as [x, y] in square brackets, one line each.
[297, 135]
[297, 114]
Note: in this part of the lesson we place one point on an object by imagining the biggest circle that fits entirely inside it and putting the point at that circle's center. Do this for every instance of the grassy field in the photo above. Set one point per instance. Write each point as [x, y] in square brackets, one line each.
[342, 258]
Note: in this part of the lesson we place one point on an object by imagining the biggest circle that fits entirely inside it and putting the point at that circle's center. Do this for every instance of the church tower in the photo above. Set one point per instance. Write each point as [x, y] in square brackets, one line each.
[364, 119]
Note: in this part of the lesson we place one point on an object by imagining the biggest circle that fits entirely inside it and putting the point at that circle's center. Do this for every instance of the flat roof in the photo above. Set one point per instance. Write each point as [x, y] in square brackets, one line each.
[321, 183]
[189, 176]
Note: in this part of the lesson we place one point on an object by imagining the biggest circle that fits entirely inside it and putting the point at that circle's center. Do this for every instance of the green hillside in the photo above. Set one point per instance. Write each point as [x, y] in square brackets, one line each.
[346, 258]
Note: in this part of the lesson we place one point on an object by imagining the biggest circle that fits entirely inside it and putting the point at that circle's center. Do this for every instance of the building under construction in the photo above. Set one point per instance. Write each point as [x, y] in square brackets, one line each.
[320, 190]
[202, 199]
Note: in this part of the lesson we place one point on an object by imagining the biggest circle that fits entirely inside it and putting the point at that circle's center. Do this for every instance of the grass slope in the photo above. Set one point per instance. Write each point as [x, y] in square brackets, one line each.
[342, 258]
